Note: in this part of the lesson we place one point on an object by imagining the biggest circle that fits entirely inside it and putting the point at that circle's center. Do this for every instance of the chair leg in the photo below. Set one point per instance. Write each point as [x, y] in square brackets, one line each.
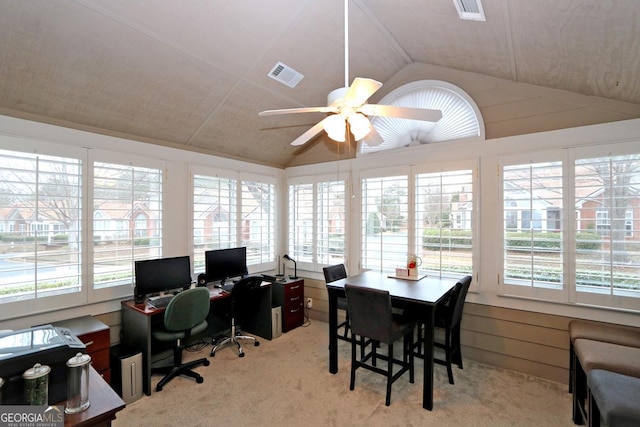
[180, 368]
[408, 351]
[456, 346]
[234, 338]
[420, 338]
[387, 401]
[352, 382]
[346, 326]
[447, 354]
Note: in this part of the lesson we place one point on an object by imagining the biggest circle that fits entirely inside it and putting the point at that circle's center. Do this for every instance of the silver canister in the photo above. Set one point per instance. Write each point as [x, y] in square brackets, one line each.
[78, 383]
[36, 385]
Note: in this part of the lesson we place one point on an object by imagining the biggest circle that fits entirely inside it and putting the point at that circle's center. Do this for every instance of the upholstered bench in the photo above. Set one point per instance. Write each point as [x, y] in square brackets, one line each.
[590, 355]
[614, 397]
[599, 331]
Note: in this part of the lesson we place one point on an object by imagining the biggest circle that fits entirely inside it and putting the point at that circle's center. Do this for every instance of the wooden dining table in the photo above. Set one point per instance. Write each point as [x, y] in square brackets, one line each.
[420, 296]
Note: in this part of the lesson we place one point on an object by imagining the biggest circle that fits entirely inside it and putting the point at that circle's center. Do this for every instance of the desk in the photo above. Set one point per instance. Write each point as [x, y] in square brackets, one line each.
[104, 404]
[426, 294]
[139, 320]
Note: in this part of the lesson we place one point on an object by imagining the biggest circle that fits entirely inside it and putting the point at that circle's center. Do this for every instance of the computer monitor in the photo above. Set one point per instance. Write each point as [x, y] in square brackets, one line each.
[161, 275]
[222, 264]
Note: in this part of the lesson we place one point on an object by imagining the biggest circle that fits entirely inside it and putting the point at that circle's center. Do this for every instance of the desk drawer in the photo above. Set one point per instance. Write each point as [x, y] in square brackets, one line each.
[293, 305]
[96, 341]
[96, 336]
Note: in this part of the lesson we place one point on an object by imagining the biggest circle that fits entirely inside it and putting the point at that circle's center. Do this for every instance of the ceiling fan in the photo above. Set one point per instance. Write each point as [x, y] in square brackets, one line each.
[348, 109]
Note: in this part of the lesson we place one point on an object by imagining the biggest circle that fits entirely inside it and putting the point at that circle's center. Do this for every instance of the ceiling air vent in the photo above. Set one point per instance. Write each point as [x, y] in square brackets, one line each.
[470, 10]
[285, 75]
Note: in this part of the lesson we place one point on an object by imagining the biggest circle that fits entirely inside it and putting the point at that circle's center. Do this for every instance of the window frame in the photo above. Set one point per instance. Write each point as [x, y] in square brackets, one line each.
[293, 246]
[239, 178]
[532, 291]
[68, 300]
[102, 156]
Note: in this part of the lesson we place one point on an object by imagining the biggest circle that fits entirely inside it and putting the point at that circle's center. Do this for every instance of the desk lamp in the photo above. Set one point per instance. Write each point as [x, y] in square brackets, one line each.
[295, 267]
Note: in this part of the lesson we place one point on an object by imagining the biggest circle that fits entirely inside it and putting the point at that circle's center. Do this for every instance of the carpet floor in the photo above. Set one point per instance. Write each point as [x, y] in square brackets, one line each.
[286, 382]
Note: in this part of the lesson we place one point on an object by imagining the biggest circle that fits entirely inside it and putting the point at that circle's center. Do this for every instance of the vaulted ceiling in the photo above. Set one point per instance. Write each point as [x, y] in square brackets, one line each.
[193, 73]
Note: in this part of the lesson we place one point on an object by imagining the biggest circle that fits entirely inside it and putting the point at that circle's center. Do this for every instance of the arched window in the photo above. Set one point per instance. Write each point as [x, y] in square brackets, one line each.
[461, 116]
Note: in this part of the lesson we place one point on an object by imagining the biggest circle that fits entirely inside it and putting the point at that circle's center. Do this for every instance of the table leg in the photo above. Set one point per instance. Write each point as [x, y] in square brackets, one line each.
[333, 331]
[427, 383]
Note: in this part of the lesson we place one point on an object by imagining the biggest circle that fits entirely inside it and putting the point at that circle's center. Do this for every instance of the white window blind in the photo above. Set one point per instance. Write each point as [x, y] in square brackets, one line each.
[607, 195]
[127, 221]
[214, 215]
[258, 227]
[301, 222]
[41, 232]
[384, 222]
[331, 222]
[532, 225]
[444, 222]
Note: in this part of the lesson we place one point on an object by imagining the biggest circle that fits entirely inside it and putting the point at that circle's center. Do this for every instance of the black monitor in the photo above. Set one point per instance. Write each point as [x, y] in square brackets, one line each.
[222, 264]
[161, 275]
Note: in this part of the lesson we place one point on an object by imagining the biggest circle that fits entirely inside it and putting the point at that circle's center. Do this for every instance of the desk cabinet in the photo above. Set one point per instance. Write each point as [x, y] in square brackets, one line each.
[290, 296]
[95, 335]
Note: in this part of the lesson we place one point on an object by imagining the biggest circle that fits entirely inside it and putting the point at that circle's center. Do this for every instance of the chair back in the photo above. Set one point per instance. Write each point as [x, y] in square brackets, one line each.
[334, 272]
[245, 298]
[187, 309]
[370, 312]
[457, 300]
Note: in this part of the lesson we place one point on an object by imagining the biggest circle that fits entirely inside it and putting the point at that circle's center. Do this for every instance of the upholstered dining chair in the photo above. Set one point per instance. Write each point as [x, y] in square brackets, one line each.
[371, 317]
[448, 318]
[331, 274]
[185, 316]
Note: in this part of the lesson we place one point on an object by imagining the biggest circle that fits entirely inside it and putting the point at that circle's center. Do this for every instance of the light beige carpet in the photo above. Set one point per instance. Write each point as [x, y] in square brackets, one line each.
[286, 382]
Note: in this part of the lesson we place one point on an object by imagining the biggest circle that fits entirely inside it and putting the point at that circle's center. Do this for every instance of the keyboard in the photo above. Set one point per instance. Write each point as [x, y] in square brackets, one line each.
[227, 287]
[160, 302]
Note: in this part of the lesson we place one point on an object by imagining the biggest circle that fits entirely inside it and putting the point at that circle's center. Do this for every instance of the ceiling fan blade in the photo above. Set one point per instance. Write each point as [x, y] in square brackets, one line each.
[360, 90]
[316, 129]
[423, 114]
[373, 139]
[298, 110]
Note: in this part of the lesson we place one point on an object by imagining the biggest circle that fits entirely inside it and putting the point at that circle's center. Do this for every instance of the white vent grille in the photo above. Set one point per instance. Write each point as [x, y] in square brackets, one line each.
[285, 75]
[470, 9]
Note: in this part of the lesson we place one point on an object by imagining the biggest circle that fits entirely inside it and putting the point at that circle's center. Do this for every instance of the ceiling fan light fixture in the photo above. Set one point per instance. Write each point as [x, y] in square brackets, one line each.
[336, 127]
[359, 125]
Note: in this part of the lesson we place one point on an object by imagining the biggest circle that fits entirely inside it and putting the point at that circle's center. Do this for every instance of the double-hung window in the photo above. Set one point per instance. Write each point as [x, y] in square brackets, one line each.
[590, 258]
[317, 221]
[424, 211]
[532, 225]
[385, 221]
[445, 217]
[232, 211]
[258, 221]
[127, 221]
[607, 251]
[41, 232]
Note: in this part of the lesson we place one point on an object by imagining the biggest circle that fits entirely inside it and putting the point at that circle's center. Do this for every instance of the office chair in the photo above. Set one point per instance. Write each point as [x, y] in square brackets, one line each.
[331, 274]
[448, 317]
[371, 317]
[244, 305]
[184, 316]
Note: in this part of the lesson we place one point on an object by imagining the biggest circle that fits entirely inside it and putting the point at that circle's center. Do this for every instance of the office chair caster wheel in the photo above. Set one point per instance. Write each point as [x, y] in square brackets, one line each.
[199, 380]
[240, 354]
[257, 343]
[159, 388]
[206, 363]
